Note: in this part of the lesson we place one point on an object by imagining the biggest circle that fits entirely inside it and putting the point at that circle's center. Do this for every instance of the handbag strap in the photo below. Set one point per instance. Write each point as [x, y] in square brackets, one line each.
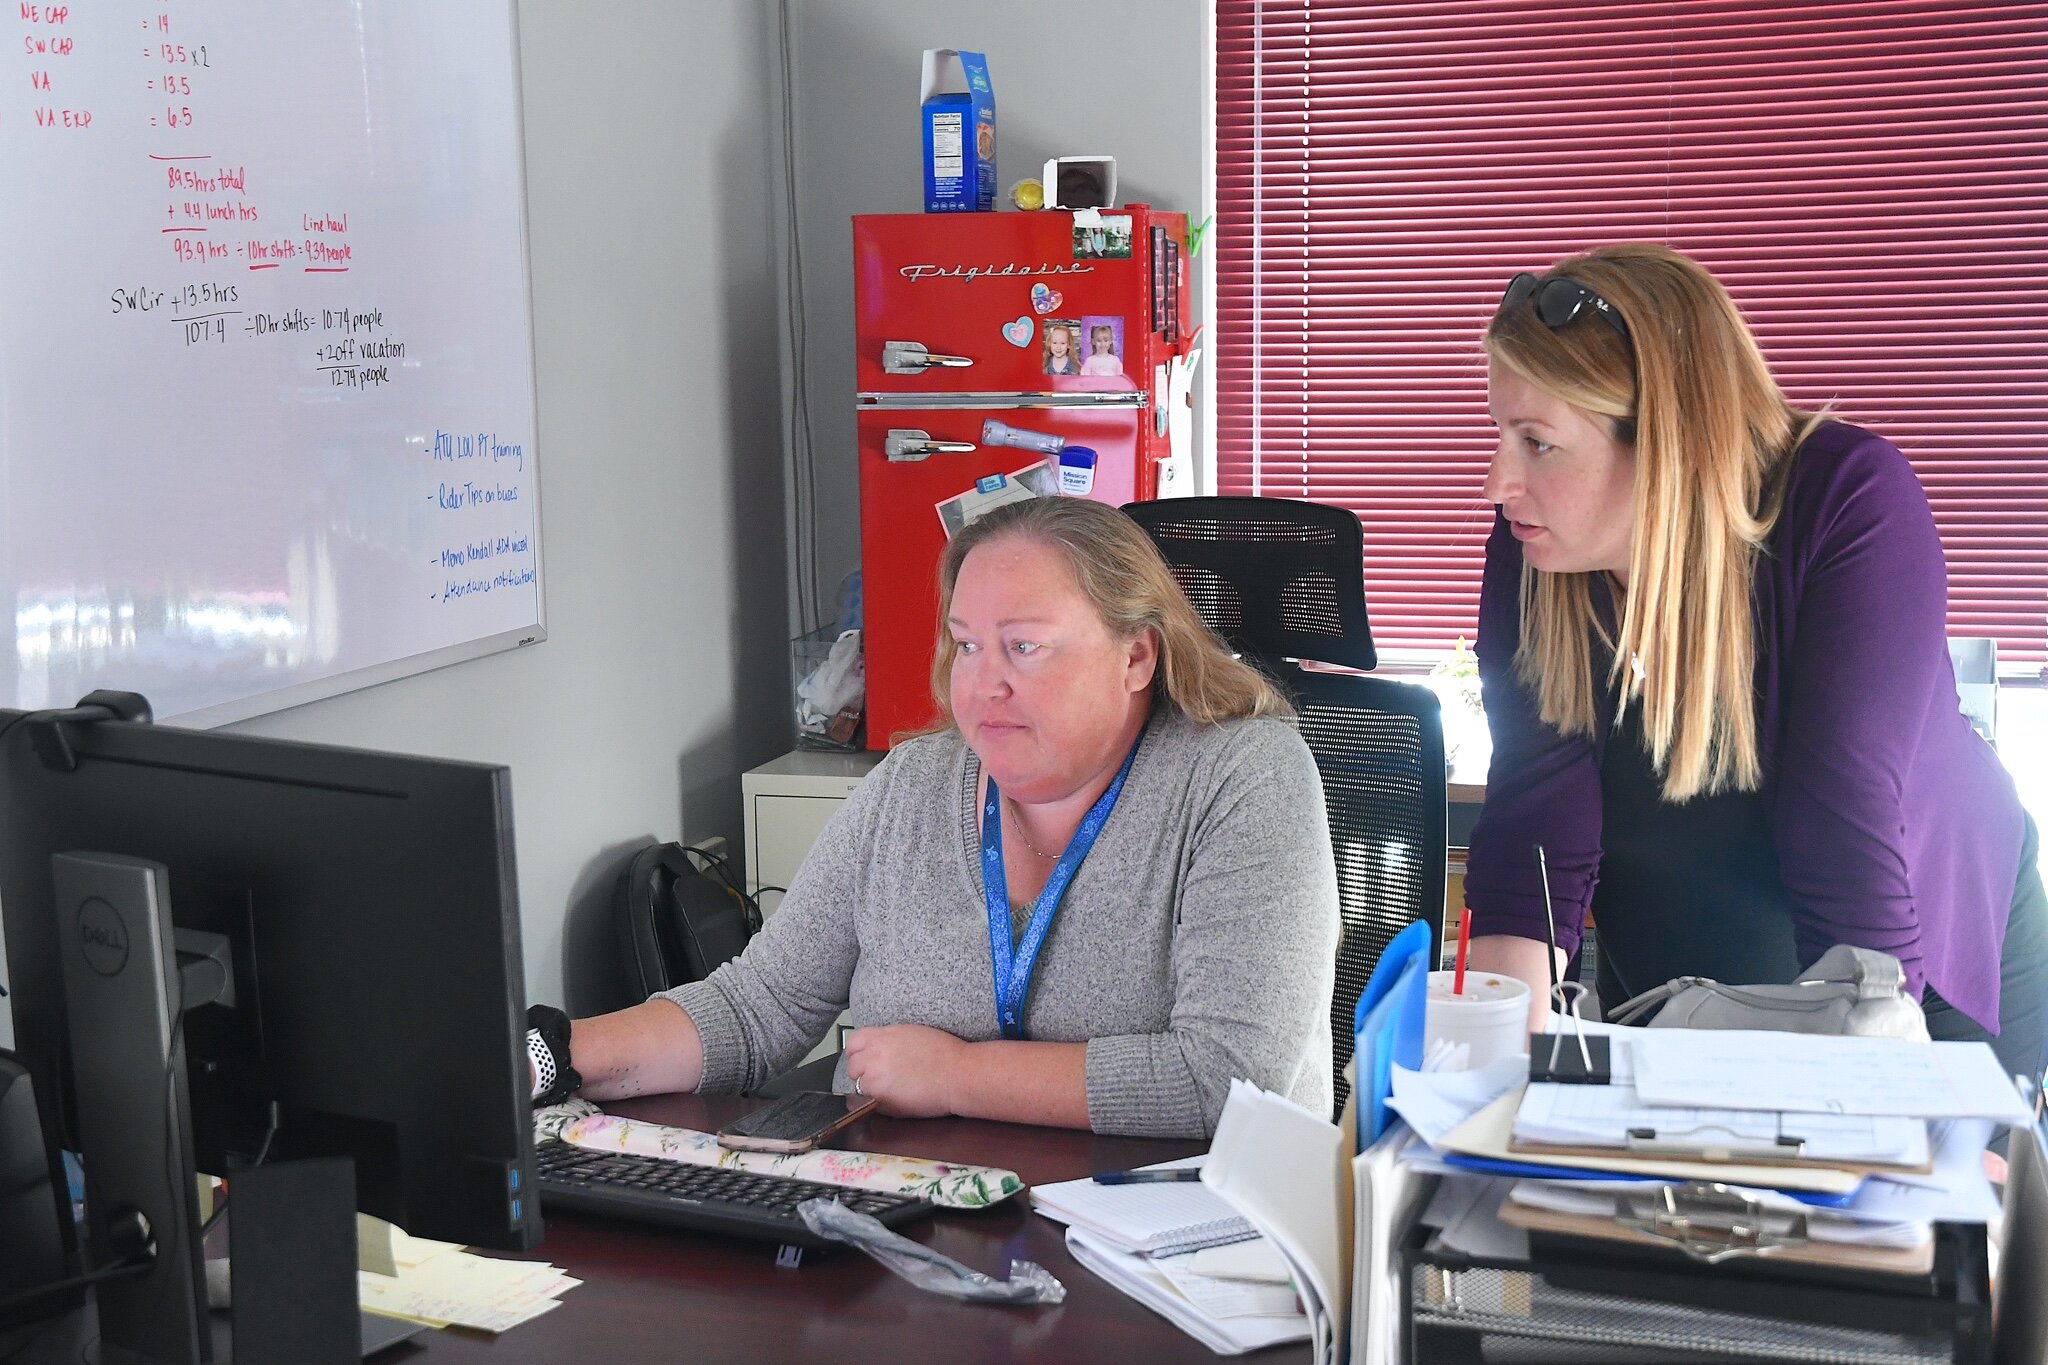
[1635, 1007]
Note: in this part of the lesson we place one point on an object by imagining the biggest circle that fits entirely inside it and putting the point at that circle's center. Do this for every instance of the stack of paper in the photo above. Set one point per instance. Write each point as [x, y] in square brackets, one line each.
[1614, 1116]
[1845, 1151]
[441, 1285]
[1183, 1252]
[1741, 1069]
[1146, 1220]
[1488, 1122]
[1887, 1226]
[1227, 1313]
[1287, 1172]
[1388, 1191]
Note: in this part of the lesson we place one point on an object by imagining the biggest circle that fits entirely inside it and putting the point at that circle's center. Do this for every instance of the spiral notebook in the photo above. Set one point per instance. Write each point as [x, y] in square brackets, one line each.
[1148, 1220]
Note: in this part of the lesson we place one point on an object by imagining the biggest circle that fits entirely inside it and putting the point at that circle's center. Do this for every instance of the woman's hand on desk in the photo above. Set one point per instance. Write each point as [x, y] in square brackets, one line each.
[908, 1067]
[920, 1072]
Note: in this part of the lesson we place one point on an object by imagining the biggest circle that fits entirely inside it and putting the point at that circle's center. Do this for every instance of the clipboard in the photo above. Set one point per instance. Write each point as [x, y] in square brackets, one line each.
[1600, 1123]
[1700, 1147]
[1712, 1223]
[1487, 1134]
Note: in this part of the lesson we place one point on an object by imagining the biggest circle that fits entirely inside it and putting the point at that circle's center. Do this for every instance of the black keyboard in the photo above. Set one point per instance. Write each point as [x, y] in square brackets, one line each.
[700, 1198]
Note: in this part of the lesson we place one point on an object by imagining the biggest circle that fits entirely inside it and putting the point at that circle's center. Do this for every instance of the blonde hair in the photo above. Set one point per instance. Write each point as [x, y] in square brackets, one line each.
[1713, 437]
[1119, 570]
[1100, 330]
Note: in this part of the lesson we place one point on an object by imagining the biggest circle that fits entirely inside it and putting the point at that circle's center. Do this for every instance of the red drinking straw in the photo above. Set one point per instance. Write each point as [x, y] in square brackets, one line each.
[1464, 943]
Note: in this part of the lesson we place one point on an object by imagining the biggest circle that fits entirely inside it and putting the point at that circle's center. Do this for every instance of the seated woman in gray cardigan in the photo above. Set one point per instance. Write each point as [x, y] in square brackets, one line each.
[1099, 893]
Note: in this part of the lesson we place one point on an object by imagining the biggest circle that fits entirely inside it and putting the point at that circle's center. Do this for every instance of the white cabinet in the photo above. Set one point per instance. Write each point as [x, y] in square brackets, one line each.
[788, 800]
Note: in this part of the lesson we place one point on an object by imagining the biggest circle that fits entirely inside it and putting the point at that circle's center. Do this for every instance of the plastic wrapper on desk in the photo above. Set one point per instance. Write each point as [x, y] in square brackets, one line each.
[581, 1124]
[930, 1270]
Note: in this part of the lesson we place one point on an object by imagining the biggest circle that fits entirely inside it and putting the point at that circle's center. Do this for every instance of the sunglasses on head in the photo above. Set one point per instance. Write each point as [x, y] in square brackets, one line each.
[1559, 301]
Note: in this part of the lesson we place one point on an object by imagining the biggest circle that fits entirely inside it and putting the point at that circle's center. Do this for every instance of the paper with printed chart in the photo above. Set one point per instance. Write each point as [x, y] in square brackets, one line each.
[1752, 1069]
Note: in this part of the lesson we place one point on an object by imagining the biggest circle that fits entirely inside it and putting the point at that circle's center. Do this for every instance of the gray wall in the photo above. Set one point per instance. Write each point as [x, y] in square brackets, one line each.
[1122, 77]
[649, 154]
[657, 201]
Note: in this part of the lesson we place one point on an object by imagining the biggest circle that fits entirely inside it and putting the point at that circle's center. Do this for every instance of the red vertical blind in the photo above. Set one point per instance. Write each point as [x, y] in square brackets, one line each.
[1870, 180]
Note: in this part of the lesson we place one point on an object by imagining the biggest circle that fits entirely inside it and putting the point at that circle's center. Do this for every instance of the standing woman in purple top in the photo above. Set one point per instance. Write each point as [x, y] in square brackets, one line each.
[1711, 639]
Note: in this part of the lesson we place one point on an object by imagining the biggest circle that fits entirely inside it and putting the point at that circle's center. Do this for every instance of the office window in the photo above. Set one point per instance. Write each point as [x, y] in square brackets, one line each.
[1869, 179]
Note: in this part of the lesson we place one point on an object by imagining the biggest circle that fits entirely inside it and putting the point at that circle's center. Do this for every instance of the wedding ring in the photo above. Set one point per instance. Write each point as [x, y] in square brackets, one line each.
[857, 1090]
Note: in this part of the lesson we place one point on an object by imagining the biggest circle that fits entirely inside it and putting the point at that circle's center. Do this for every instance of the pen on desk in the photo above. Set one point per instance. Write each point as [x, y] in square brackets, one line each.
[1177, 1173]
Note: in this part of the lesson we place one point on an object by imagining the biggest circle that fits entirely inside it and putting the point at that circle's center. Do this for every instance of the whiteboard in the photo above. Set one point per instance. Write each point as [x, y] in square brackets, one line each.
[266, 349]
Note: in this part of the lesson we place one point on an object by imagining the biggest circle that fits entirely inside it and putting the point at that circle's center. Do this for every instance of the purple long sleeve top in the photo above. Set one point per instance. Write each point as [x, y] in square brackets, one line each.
[1896, 827]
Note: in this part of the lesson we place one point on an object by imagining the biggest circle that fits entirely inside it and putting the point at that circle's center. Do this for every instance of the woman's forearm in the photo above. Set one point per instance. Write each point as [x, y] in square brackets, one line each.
[1522, 958]
[649, 1049]
[1022, 1083]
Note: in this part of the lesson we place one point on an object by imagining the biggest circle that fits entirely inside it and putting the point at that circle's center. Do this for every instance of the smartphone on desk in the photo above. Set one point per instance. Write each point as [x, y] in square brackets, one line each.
[794, 1123]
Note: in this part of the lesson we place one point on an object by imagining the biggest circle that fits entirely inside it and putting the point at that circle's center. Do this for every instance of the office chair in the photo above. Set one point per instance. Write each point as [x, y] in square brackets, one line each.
[1283, 582]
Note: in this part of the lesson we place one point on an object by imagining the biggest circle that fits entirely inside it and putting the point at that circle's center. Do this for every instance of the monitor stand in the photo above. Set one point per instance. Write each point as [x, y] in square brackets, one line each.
[125, 999]
[123, 1009]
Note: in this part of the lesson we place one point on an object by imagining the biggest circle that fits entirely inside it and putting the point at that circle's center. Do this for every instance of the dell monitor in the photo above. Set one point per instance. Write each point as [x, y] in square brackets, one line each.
[332, 937]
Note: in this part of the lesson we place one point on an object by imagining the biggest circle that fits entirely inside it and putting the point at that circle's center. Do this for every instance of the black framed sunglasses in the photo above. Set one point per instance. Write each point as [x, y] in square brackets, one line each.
[1559, 301]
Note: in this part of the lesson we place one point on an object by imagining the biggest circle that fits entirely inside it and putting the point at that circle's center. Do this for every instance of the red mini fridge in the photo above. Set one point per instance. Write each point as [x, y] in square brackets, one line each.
[987, 341]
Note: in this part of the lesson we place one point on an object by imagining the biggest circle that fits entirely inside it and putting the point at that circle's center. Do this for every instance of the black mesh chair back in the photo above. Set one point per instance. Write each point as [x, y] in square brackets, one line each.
[1276, 578]
[1379, 745]
[1284, 581]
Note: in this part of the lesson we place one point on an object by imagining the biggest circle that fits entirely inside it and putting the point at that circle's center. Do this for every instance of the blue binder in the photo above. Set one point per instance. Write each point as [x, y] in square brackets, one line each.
[1388, 1024]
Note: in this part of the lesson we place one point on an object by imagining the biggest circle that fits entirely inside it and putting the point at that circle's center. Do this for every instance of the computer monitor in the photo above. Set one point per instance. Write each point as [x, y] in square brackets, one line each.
[358, 908]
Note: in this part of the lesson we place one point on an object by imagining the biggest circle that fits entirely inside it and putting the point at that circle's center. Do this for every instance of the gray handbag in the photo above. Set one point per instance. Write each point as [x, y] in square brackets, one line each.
[1854, 991]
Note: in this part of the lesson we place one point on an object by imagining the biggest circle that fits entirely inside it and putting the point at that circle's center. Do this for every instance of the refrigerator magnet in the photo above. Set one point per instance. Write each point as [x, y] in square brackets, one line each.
[1102, 345]
[1044, 298]
[1061, 351]
[1102, 236]
[1018, 333]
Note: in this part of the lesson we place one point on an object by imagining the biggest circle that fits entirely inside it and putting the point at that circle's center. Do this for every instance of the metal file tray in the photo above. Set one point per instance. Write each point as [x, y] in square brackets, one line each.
[1578, 1302]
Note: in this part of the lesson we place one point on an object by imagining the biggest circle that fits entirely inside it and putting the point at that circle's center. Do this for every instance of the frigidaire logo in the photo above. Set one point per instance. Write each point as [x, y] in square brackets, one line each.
[977, 272]
[103, 937]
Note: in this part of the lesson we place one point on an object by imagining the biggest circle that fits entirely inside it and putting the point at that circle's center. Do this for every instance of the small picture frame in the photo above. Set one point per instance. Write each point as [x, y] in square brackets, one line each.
[1060, 346]
[1102, 237]
[1102, 345]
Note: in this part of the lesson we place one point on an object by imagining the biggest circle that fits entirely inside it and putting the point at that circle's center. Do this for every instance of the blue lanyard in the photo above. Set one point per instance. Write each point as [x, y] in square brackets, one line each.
[1013, 973]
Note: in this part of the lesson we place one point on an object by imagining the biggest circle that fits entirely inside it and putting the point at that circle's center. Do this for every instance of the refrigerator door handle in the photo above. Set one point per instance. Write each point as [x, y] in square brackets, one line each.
[911, 357]
[933, 400]
[907, 444]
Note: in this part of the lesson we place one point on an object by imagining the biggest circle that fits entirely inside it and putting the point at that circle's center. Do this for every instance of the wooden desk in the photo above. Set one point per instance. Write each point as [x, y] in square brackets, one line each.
[654, 1295]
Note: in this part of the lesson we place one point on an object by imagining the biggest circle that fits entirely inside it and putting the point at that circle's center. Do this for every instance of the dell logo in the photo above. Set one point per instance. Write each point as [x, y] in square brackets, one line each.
[102, 937]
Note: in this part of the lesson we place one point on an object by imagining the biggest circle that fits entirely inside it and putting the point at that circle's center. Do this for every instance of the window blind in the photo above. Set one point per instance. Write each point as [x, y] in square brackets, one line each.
[1870, 180]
